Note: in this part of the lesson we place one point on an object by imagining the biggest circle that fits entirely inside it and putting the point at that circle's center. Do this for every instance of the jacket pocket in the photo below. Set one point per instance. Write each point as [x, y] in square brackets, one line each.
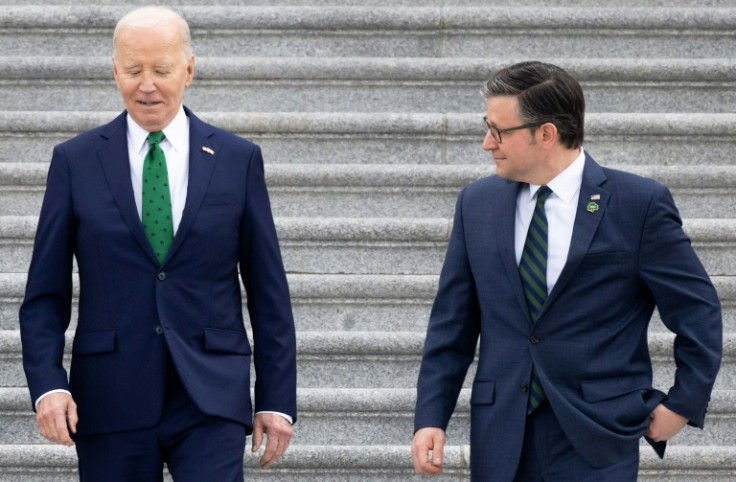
[92, 342]
[608, 388]
[483, 392]
[218, 199]
[226, 341]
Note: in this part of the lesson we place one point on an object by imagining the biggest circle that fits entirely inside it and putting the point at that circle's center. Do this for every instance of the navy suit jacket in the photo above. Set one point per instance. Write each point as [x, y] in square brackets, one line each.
[589, 344]
[133, 310]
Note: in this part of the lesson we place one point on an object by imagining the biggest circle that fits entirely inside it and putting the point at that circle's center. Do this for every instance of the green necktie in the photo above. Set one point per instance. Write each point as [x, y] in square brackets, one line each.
[533, 270]
[156, 210]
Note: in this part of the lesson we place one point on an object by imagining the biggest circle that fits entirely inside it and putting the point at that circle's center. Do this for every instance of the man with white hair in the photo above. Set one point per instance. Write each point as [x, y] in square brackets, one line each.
[162, 212]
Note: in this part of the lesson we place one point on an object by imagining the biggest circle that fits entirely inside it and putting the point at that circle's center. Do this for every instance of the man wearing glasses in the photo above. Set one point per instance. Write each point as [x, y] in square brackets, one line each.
[556, 264]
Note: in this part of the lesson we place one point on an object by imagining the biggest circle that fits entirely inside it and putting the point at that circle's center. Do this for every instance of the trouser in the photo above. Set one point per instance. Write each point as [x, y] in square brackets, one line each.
[548, 456]
[194, 446]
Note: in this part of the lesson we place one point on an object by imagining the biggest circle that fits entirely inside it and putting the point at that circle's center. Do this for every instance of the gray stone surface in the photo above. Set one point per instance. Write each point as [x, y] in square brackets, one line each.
[408, 138]
[376, 245]
[386, 462]
[379, 360]
[371, 84]
[387, 303]
[386, 3]
[391, 191]
[393, 31]
[369, 119]
[361, 416]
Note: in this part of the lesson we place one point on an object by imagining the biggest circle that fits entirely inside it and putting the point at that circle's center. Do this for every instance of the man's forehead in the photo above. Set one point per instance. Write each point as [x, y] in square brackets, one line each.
[502, 106]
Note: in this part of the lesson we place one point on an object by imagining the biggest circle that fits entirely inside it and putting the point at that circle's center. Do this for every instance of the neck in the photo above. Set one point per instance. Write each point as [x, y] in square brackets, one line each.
[559, 160]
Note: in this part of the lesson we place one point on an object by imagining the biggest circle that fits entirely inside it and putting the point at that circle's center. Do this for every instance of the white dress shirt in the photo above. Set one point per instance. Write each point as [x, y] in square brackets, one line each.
[560, 208]
[176, 149]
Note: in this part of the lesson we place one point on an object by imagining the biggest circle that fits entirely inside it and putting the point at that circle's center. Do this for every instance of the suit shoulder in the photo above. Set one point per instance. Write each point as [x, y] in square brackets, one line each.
[485, 184]
[633, 184]
[484, 187]
[228, 139]
[88, 138]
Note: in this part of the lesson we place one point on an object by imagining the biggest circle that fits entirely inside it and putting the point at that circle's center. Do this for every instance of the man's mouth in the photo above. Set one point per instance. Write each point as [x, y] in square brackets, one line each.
[148, 103]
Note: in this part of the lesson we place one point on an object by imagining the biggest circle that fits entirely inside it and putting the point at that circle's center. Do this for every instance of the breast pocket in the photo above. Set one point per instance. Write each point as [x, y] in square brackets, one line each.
[218, 199]
[617, 258]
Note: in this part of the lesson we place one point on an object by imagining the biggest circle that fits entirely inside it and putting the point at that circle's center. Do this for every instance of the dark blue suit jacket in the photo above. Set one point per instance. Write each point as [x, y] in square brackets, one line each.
[133, 310]
[589, 344]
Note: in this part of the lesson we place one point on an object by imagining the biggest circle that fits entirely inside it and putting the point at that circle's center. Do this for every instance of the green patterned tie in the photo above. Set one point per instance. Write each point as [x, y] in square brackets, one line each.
[156, 210]
[533, 270]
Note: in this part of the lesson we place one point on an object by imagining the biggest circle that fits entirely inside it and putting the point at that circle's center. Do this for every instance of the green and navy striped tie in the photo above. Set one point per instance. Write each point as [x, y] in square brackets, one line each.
[533, 270]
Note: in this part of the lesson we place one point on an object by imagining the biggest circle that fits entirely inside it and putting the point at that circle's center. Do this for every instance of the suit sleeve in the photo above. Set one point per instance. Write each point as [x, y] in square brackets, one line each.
[268, 300]
[46, 310]
[452, 334]
[688, 305]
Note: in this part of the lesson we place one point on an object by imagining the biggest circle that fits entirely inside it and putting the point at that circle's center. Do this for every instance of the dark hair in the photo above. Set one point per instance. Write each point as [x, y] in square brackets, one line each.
[546, 93]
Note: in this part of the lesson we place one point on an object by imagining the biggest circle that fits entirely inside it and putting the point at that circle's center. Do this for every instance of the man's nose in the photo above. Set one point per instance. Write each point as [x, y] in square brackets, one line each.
[147, 84]
[489, 143]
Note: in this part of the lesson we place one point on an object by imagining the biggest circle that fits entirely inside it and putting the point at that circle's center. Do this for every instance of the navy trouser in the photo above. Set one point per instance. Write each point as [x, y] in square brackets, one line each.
[548, 456]
[194, 446]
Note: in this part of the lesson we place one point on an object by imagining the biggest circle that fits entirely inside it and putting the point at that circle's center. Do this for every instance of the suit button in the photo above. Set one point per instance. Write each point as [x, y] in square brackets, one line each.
[523, 388]
[158, 330]
[534, 339]
[161, 276]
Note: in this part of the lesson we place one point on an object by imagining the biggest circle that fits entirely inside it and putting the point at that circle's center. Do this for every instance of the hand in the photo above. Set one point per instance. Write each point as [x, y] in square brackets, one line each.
[664, 424]
[278, 434]
[426, 439]
[56, 414]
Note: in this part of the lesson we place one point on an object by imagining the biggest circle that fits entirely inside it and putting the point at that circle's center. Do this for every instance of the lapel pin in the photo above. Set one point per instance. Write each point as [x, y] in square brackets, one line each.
[595, 197]
[208, 150]
[592, 207]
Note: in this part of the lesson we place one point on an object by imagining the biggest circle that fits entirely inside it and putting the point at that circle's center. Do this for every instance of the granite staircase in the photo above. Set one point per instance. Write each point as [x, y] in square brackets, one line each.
[369, 115]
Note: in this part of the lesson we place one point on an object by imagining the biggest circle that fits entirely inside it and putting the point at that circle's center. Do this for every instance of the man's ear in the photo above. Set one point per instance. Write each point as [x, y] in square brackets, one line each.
[115, 72]
[190, 71]
[548, 134]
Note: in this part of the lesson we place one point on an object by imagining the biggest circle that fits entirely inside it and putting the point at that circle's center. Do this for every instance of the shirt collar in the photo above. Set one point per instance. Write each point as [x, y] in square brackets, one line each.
[567, 183]
[176, 133]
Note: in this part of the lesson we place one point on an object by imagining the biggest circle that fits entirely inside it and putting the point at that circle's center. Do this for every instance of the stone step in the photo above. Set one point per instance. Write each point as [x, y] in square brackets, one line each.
[376, 245]
[379, 360]
[391, 31]
[403, 190]
[371, 84]
[403, 3]
[360, 416]
[704, 139]
[372, 463]
[347, 303]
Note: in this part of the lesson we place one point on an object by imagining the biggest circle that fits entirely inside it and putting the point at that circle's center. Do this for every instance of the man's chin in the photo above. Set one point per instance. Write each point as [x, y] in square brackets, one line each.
[150, 121]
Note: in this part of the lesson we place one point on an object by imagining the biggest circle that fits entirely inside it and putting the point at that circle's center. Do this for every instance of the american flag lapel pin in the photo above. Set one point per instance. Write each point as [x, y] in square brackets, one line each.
[593, 205]
[208, 150]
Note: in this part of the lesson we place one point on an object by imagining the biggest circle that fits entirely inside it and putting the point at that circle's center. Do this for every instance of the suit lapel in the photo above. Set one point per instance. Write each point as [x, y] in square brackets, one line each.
[586, 224]
[113, 157]
[505, 222]
[201, 165]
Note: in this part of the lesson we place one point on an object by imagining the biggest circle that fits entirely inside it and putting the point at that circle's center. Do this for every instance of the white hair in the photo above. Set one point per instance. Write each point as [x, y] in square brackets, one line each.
[153, 17]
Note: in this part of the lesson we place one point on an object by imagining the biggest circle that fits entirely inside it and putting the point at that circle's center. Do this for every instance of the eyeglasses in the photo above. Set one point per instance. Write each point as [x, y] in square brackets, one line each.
[496, 133]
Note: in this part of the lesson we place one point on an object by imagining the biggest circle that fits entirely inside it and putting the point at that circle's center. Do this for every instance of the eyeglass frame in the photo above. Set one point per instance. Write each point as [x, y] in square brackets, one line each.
[496, 133]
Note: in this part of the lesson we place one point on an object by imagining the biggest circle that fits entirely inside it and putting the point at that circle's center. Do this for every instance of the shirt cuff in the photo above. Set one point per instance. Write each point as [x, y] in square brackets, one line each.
[287, 417]
[59, 390]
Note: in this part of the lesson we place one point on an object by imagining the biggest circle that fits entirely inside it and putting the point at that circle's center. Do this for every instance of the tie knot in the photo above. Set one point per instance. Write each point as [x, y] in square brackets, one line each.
[155, 137]
[542, 194]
